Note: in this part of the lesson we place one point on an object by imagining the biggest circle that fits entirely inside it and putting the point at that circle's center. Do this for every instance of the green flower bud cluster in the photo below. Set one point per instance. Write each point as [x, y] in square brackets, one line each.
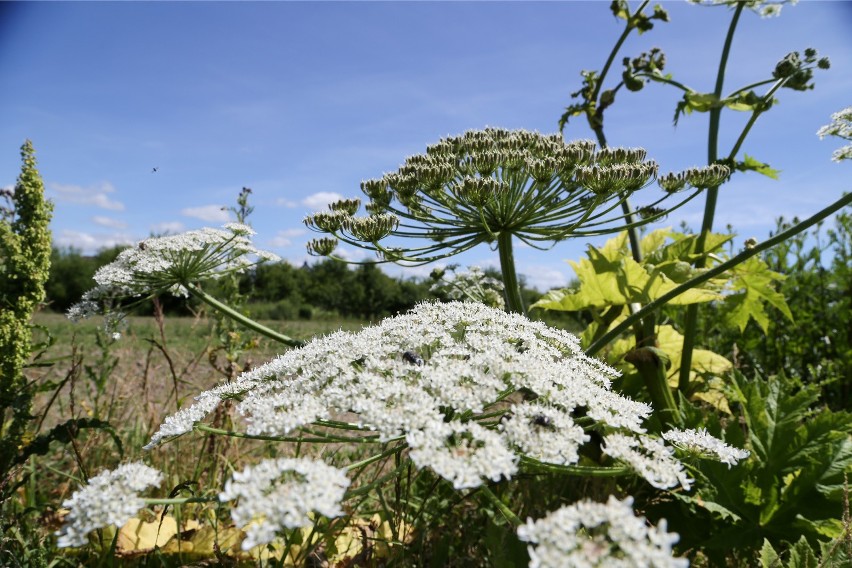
[478, 191]
[650, 62]
[616, 178]
[698, 178]
[326, 221]
[348, 206]
[373, 228]
[492, 185]
[798, 70]
[321, 247]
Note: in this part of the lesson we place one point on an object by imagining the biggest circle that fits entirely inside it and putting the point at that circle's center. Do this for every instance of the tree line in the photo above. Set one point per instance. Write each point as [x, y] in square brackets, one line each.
[274, 290]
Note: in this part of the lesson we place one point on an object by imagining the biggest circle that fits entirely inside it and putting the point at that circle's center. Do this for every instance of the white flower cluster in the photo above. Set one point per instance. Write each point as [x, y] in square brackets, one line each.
[588, 534]
[841, 126]
[765, 8]
[473, 285]
[650, 458]
[163, 264]
[110, 498]
[702, 444]
[433, 378]
[282, 493]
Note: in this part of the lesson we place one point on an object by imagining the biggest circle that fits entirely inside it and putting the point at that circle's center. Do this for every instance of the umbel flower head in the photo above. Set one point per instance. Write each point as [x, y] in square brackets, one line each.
[167, 264]
[110, 498]
[472, 392]
[492, 186]
[281, 494]
[609, 535]
[468, 189]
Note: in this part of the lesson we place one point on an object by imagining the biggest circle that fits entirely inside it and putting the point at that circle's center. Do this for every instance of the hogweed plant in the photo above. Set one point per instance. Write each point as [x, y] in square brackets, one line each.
[473, 394]
[175, 264]
[493, 186]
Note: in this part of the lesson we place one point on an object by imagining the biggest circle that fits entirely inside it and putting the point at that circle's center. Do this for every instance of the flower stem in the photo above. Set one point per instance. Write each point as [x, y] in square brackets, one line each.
[500, 506]
[180, 500]
[514, 302]
[690, 327]
[578, 470]
[238, 317]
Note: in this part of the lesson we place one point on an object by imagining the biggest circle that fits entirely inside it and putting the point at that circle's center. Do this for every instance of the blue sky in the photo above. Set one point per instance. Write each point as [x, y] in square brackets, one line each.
[302, 101]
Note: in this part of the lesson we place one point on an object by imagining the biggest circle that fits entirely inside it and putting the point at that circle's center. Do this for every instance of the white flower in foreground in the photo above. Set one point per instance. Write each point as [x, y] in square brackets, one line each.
[281, 494]
[163, 264]
[650, 458]
[588, 534]
[703, 444]
[110, 498]
[431, 378]
[544, 433]
[463, 453]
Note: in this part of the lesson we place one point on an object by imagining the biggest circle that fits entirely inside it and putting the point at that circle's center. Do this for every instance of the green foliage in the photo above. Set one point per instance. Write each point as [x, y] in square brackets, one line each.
[611, 277]
[752, 286]
[332, 287]
[71, 275]
[611, 281]
[24, 265]
[815, 344]
[749, 164]
[801, 555]
[790, 487]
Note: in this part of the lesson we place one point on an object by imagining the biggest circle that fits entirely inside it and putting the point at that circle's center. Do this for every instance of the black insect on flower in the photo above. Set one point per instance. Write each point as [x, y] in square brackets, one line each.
[412, 357]
[542, 420]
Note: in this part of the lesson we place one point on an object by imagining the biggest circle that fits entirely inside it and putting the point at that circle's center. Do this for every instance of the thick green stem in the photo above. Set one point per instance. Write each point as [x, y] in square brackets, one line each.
[717, 270]
[514, 302]
[532, 465]
[240, 318]
[653, 365]
[644, 331]
[498, 504]
[690, 327]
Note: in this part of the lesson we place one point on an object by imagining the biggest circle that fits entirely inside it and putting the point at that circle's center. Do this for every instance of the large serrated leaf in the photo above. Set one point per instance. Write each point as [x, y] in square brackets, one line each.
[768, 557]
[752, 283]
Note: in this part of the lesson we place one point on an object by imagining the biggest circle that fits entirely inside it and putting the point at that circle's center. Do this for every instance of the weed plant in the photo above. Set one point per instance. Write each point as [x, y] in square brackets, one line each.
[458, 434]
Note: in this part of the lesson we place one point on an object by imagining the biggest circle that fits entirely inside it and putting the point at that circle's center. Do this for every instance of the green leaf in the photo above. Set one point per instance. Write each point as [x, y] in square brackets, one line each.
[573, 110]
[620, 9]
[748, 101]
[610, 277]
[768, 557]
[752, 281]
[696, 102]
[802, 555]
[749, 164]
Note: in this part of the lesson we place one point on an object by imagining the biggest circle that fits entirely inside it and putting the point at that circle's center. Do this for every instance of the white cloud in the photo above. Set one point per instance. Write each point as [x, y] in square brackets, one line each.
[543, 277]
[280, 242]
[96, 195]
[283, 238]
[321, 200]
[89, 243]
[284, 202]
[210, 213]
[167, 227]
[108, 222]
